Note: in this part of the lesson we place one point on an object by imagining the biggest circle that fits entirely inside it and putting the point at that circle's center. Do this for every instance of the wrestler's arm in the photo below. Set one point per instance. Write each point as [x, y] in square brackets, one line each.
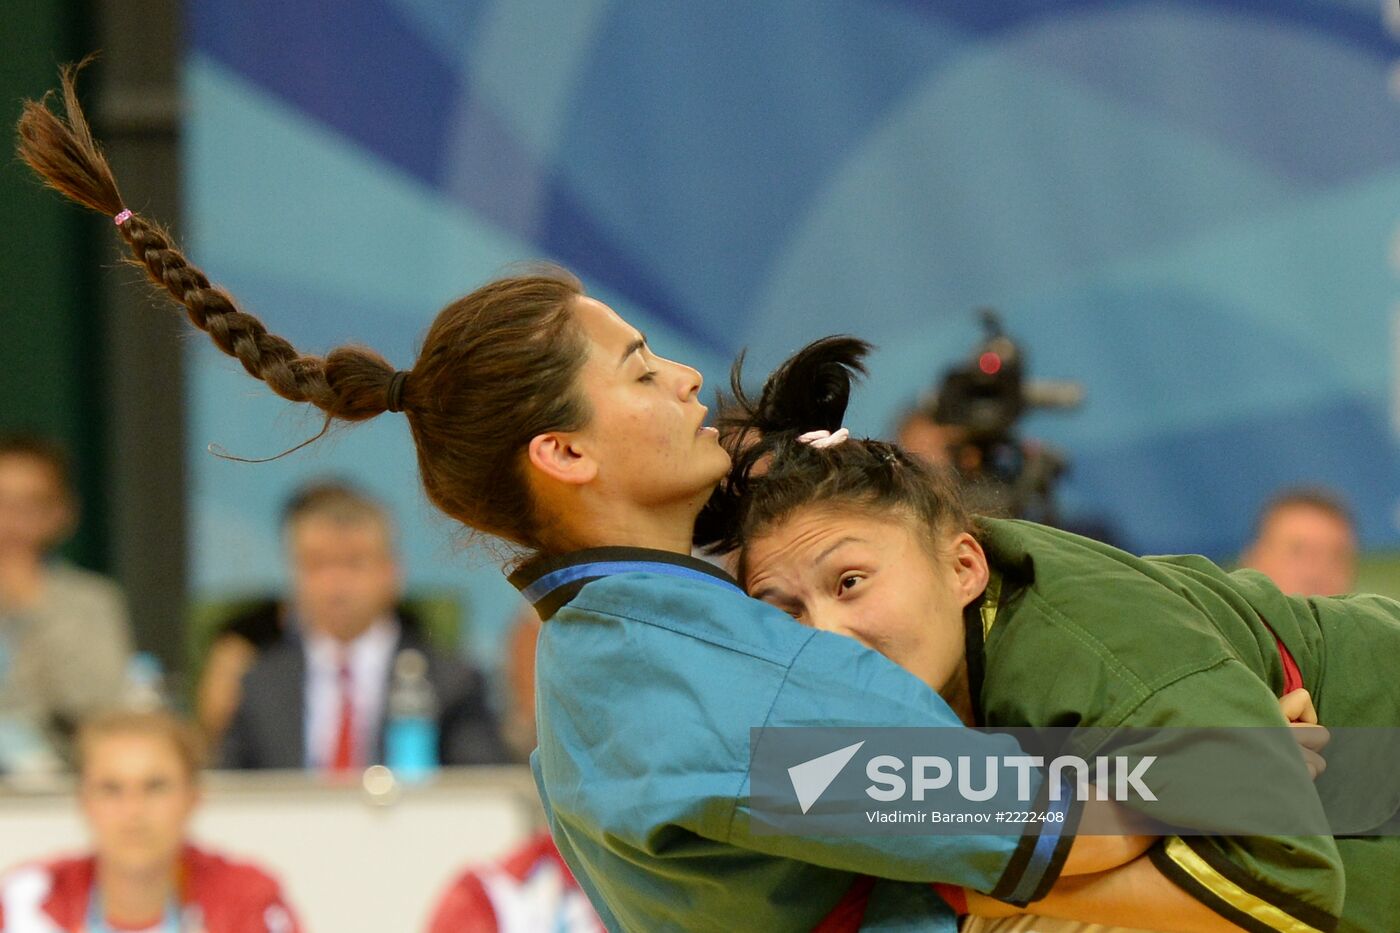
[1093, 854]
[1134, 895]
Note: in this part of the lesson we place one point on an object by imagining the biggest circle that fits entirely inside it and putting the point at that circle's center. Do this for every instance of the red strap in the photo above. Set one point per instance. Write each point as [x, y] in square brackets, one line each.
[954, 896]
[1292, 677]
[847, 916]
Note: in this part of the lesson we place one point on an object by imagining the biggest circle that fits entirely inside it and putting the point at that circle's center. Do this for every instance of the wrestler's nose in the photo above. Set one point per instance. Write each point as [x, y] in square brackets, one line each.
[689, 382]
[829, 620]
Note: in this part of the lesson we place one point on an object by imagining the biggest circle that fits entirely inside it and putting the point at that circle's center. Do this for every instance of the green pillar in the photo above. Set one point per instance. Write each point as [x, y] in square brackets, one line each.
[50, 322]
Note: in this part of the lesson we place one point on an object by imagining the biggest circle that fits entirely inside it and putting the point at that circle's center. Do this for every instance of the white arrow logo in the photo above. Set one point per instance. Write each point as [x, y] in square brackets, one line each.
[811, 778]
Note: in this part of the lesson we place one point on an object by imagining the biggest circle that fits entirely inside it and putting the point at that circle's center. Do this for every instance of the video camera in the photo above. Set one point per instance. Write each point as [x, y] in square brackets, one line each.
[986, 397]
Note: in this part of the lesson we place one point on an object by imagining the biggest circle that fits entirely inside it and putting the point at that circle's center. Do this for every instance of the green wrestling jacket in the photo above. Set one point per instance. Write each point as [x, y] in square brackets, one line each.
[1076, 633]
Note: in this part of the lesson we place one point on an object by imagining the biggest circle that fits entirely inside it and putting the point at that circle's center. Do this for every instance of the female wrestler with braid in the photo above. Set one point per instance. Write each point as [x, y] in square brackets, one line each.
[1022, 625]
[541, 418]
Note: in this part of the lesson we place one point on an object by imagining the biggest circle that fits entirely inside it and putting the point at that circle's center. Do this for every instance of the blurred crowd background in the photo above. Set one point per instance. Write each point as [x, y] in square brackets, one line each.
[1183, 212]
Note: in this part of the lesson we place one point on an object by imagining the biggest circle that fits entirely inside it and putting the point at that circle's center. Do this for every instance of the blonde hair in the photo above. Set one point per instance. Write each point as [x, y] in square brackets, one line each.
[181, 735]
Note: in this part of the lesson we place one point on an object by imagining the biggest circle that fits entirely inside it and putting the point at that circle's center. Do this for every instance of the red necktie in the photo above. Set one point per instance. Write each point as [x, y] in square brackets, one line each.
[343, 757]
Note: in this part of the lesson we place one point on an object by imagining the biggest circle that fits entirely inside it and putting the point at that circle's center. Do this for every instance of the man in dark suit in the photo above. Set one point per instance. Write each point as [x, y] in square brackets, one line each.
[320, 697]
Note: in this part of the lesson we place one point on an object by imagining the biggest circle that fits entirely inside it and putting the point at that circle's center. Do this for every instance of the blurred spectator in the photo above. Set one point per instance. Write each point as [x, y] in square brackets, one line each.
[947, 446]
[64, 635]
[531, 889]
[1305, 541]
[138, 788]
[232, 652]
[237, 643]
[317, 699]
[917, 433]
[518, 725]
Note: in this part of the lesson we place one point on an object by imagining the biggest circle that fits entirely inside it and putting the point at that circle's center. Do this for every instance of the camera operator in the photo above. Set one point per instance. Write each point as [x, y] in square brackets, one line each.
[969, 425]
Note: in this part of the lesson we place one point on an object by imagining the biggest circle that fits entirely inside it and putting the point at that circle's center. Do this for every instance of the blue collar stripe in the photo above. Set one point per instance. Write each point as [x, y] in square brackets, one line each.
[564, 576]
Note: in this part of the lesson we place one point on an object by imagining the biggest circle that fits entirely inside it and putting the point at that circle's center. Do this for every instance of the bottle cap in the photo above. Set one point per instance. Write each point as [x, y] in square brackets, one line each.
[410, 664]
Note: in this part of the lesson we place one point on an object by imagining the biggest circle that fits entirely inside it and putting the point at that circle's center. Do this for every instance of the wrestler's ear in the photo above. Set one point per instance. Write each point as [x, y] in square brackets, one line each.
[562, 457]
[969, 567]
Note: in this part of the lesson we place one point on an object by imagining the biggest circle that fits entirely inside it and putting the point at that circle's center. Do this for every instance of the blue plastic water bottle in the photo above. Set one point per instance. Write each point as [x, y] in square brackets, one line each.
[411, 732]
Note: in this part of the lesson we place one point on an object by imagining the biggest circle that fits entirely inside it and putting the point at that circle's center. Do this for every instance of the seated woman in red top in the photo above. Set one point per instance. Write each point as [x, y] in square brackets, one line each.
[529, 889]
[138, 787]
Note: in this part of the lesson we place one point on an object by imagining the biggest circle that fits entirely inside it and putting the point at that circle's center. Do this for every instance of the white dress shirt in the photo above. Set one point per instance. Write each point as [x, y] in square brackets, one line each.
[371, 656]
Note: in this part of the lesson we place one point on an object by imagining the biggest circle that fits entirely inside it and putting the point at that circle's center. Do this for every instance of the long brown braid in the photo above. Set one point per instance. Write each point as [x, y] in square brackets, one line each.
[348, 384]
[496, 368]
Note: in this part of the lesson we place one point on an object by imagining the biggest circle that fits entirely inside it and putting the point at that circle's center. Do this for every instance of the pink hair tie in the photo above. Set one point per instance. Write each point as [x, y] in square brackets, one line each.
[122, 218]
[824, 439]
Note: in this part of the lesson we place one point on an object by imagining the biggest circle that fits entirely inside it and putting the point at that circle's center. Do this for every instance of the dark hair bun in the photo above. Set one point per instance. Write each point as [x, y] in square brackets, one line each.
[808, 392]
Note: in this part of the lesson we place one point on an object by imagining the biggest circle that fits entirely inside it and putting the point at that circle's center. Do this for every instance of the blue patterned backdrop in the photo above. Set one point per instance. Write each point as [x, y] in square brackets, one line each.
[1189, 206]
